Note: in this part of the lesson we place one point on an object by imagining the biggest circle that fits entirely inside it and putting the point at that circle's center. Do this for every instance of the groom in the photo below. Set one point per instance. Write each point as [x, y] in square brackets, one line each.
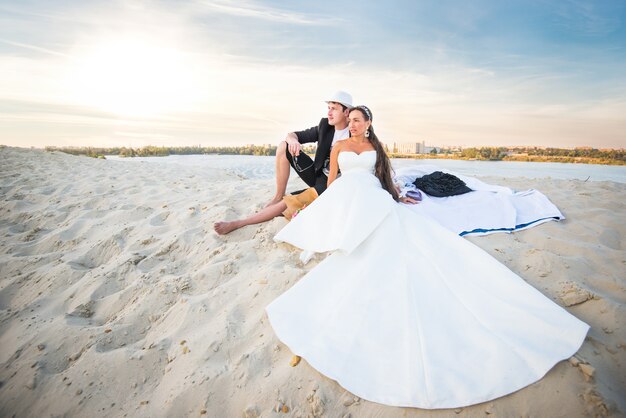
[326, 133]
[288, 154]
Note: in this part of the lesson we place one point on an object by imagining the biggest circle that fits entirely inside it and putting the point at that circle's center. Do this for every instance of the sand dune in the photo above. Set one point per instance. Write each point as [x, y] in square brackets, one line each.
[118, 299]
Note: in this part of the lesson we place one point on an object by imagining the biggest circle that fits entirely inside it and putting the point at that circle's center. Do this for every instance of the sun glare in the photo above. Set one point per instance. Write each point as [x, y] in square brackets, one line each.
[132, 78]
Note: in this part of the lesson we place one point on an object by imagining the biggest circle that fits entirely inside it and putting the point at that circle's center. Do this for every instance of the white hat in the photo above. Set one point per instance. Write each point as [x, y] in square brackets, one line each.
[341, 97]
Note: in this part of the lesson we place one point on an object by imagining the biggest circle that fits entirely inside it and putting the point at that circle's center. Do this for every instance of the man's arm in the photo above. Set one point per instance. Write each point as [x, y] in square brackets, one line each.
[295, 139]
[308, 135]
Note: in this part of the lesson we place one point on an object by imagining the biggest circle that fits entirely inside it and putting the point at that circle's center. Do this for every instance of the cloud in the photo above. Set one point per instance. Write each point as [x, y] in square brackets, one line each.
[243, 9]
[587, 18]
[35, 48]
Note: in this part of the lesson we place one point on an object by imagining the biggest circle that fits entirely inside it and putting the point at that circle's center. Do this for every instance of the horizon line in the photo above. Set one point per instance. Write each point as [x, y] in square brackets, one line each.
[274, 145]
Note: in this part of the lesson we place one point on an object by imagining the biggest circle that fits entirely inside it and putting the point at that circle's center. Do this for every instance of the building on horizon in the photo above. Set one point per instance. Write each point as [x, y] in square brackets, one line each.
[410, 148]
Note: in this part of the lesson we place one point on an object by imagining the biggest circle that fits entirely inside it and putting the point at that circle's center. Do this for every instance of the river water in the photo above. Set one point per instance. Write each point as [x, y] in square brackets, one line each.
[263, 167]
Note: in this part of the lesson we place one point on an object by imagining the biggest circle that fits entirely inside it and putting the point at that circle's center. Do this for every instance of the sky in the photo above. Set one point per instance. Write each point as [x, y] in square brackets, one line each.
[218, 73]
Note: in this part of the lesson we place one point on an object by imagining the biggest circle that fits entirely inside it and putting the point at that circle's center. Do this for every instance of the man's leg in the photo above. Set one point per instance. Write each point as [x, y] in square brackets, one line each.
[320, 183]
[282, 173]
[302, 164]
[264, 215]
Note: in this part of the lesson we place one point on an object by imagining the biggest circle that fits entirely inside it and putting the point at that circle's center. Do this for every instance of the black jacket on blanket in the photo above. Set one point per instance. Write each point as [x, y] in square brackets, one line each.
[441, 184]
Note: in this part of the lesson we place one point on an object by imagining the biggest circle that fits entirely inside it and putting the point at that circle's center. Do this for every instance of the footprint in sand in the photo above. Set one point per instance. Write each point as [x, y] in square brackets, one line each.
[611, 238]
[99, 254]
[160, 219]
[8, 293]
[118, 336]
[48, 191]
[17, 229]
[82, 264]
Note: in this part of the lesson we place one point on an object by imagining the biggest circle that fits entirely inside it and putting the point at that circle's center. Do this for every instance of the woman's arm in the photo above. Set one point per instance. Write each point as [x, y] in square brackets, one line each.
[334, 165]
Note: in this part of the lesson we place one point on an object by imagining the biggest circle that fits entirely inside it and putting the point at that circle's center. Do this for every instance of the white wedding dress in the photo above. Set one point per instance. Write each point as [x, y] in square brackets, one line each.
[407, 313]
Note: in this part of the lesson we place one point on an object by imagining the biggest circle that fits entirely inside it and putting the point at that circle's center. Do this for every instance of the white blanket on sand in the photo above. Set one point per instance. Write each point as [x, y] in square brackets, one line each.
[485, 210]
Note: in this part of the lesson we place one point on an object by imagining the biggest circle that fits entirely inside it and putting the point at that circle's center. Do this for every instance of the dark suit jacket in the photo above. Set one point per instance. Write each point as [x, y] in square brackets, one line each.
[323, 135]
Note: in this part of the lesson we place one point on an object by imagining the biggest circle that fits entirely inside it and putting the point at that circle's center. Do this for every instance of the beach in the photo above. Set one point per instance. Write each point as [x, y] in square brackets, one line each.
[117, 298]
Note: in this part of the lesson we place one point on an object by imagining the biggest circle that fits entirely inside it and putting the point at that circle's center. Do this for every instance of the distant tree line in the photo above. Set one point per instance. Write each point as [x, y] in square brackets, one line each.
[153, 151]
[576, 155]
[586, 152]
[484, 153]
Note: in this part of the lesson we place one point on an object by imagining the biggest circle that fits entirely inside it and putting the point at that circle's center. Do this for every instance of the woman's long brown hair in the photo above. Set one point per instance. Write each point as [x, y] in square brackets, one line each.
[382, 169]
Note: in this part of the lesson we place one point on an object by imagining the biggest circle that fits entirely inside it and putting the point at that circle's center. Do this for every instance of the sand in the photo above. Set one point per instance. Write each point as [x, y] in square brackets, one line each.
[118, 299]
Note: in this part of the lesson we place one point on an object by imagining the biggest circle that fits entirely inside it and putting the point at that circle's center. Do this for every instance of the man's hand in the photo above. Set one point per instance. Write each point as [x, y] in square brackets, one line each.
[293, 146]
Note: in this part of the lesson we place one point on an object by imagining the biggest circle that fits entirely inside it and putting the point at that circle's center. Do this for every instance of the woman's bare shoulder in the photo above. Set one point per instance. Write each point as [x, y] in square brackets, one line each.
[340, 145]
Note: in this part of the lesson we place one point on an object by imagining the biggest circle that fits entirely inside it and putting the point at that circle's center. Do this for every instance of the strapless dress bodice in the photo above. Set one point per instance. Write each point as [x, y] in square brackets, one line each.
[350, 161]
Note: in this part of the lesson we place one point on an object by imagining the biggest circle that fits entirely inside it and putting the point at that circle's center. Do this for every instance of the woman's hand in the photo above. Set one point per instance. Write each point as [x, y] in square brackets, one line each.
[408, 200]
[405, 199]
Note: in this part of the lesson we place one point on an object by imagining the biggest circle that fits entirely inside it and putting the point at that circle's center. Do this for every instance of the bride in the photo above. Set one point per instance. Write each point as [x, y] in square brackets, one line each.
[405, 312]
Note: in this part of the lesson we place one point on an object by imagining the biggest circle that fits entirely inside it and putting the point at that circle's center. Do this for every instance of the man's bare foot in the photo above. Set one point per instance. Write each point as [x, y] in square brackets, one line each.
[275, 200]
[224, 228]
